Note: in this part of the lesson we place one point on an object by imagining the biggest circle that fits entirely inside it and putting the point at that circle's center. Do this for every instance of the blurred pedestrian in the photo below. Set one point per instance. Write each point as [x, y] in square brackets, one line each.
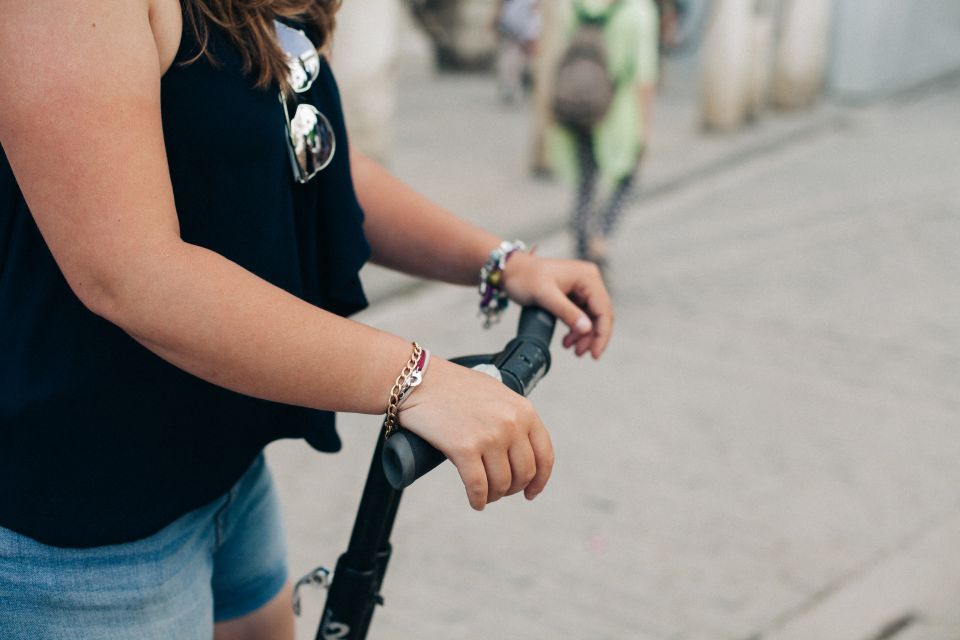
[671, 13]
[602, 100]
[518, 27]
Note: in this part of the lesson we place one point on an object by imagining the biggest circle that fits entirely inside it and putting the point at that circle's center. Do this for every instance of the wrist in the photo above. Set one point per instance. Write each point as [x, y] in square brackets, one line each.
[409, 379]
[493, 295]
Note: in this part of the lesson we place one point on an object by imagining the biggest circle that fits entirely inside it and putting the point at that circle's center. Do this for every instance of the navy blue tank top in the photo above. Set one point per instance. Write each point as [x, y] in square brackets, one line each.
[103, 442]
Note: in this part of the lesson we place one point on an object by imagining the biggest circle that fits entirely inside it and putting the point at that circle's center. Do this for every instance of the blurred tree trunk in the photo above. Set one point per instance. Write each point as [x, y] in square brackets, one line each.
[364, 58]
[801, 63]
[460, 31]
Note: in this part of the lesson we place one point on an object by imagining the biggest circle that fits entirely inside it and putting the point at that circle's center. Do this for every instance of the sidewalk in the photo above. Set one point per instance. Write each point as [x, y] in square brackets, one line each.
[769, 449]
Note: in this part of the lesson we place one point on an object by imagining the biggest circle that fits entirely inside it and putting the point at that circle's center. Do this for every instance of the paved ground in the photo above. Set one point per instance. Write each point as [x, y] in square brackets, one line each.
[769, 450]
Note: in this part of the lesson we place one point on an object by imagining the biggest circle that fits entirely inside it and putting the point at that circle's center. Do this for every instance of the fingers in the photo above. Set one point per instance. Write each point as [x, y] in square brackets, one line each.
[499, 474]
[604, 331]
[552, 284]
[601, 308]
[500, 471]
[591, 321]
[526, 467]
[543, 454]
[596, 342]
[474, 477]
[556, 302]
[523, 465]
[584, 344]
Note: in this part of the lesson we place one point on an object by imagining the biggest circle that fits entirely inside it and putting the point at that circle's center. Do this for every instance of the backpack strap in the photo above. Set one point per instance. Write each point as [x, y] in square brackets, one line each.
[601, 19]
[585, 18]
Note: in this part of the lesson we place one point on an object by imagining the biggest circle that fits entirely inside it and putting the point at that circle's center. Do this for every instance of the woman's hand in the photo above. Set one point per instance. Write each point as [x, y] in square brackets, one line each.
[572, 290]
[492, 435]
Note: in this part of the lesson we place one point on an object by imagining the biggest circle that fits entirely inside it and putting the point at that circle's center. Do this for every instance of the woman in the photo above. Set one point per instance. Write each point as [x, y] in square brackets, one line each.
[181, 227]
[615, 146]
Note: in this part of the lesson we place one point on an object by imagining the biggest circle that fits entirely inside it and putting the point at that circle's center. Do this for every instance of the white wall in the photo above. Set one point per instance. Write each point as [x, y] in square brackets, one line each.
[881, 46]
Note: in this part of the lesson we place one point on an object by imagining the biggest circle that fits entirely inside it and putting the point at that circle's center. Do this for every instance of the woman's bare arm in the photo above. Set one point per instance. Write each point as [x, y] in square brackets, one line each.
[410, 233]
[402, 224]
[80, 124]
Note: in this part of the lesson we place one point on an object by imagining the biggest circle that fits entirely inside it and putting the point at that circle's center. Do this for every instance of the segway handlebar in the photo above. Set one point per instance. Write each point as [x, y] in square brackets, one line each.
[521, 364]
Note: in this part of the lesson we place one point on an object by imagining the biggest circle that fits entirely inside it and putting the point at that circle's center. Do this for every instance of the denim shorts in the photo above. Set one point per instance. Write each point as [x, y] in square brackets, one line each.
[218, 562]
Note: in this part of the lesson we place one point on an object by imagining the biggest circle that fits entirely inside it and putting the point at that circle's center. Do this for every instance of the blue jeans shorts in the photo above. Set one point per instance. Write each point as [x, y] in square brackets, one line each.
[218, 562]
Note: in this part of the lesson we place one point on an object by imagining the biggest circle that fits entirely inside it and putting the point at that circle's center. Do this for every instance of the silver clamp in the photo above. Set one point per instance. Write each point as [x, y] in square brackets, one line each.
[319, 577]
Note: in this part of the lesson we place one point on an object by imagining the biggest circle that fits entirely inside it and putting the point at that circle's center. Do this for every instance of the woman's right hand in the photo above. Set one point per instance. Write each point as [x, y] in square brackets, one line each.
[492, 435]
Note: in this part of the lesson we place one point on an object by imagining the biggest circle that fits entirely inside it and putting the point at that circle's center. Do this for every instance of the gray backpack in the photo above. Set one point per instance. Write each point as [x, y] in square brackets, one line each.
[583, 89]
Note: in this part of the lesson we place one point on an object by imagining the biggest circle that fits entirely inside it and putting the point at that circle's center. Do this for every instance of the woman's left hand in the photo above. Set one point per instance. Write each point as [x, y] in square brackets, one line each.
[572, 290]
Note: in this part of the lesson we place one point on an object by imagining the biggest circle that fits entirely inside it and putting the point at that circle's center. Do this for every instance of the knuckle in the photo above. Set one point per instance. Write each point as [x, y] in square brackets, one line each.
[526, 413]
[510, 419]
[477, 443]
[490, 440]
[548, 459]
[462, 450]
[476, 489]
[528, 475]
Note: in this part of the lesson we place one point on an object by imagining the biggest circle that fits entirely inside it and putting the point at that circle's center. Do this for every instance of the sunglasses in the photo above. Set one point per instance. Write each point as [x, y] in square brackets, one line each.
[310, 138]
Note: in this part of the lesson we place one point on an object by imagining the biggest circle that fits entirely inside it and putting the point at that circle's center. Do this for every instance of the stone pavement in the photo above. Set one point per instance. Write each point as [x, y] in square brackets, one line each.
[769, 450]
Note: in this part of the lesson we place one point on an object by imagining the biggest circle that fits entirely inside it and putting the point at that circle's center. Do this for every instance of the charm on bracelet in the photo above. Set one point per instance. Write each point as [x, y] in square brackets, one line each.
[493, 296]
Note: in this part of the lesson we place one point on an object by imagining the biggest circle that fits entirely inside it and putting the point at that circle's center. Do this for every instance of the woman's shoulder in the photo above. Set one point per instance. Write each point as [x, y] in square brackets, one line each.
[166, 22]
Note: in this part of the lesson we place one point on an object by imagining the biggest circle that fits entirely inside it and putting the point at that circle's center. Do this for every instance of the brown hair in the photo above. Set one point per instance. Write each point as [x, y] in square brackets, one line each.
[249, 25]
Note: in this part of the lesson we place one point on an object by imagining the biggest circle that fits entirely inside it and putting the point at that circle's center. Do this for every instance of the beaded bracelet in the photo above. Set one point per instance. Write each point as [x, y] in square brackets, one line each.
[410, 377]
[493, 297]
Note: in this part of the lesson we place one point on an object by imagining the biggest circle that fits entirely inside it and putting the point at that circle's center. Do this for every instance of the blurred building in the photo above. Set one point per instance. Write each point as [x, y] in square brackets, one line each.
[882, 46]
[858, 49]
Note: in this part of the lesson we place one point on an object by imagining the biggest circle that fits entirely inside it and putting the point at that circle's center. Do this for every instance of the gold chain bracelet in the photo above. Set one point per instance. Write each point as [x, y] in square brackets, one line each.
[397, 393]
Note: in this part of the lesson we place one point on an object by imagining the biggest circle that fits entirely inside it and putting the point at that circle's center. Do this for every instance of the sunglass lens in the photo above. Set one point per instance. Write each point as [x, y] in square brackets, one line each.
[313, 142]
[303, 59]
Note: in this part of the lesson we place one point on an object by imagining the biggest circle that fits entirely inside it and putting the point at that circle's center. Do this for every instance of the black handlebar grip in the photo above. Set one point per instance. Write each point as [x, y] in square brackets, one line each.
[526, 358]
[407, 457]
[536, 324]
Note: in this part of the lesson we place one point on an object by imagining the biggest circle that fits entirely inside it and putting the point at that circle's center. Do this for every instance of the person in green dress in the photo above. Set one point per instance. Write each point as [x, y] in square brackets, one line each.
[612, 150]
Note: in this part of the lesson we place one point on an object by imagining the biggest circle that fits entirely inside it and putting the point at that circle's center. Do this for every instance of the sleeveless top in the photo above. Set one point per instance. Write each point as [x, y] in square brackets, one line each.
[103, 442]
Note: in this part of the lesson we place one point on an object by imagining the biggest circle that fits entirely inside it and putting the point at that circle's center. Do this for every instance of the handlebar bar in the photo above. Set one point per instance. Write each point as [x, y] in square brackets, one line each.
[521, 364]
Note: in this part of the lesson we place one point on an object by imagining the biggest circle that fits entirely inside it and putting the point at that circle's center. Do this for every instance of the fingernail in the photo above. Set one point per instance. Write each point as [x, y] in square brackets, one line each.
[583, 324]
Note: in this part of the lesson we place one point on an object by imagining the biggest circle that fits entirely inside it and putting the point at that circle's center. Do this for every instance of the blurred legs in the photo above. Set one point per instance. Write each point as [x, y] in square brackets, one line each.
[586, 186]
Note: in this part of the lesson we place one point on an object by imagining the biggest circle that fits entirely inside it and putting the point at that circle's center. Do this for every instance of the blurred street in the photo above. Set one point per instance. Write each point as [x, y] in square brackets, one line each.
[769, 449]
[457, 143]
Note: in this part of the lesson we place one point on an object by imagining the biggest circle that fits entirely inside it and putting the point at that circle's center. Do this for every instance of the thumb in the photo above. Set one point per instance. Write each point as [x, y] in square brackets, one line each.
[566, 311]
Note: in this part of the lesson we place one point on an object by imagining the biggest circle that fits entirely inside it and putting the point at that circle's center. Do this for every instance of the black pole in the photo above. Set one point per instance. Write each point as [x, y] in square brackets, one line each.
[355, 589]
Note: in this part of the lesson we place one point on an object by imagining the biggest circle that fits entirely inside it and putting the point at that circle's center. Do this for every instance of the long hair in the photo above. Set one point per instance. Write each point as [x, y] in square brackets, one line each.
[249, 25]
